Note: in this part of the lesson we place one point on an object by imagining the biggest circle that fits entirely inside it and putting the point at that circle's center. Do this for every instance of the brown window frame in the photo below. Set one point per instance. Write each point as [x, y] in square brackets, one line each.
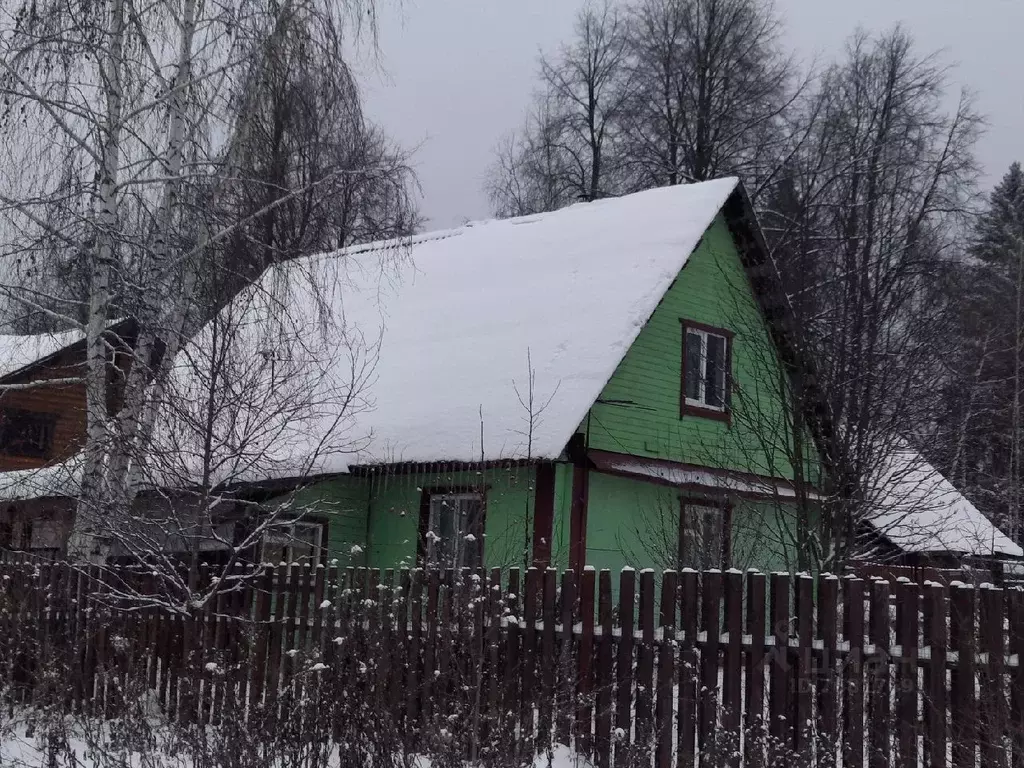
[424, 520]
[723, 414]
[725, 556]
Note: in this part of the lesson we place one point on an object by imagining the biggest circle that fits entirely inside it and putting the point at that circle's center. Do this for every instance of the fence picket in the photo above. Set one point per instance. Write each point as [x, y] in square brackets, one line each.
[907, 619]
[645, 665]
[934, 638]
[992, 703]
[880, 715]
[585, 673]
[604, 679]
[802, 720]
[853, 672]
[624, 670]
[754, 724]
[711, 624]
[828, 593]
[779, 718]
[566, 677]
[666, 672]
[962, 682]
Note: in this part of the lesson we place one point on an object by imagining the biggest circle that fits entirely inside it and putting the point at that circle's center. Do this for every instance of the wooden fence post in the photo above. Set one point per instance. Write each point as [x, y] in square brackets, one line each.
[732, 675]
[585, 674]
[802, 720]
[827, 618]
[566, 695]
[907, 627]
[779, 712]
[711, 624]
[645, 666]
[992, 704]
[934, 637]
[754, 724]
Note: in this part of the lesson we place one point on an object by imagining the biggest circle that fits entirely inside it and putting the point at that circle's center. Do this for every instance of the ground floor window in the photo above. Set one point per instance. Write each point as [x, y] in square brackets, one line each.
[451, 529]
[294, 541]
[704, 534]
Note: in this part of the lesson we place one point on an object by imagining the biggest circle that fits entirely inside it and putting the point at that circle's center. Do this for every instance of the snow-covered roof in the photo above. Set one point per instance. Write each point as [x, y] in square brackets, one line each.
[439, 332]
[916, 508]
[54, 481]
[18, 351]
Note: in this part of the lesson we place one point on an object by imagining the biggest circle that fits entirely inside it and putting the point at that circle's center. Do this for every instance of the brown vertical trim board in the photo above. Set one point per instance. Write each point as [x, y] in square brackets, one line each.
[578, 518]
[543, 514]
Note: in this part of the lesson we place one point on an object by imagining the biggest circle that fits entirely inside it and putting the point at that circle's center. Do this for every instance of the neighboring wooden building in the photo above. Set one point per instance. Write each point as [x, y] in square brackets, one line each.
[42, 429]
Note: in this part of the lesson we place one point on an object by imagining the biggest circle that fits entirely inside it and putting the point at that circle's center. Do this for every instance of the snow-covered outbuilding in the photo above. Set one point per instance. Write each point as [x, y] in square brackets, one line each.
[919, 520]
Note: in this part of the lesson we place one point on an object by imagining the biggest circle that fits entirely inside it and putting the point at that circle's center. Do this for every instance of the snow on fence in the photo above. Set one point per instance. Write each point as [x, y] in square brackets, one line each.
[670, 669]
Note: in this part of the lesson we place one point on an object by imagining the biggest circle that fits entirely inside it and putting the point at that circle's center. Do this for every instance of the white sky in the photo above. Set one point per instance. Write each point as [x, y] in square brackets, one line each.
[458, 74]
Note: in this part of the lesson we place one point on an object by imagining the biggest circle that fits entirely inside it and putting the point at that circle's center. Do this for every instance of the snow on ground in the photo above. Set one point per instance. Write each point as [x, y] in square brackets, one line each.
[18, 750]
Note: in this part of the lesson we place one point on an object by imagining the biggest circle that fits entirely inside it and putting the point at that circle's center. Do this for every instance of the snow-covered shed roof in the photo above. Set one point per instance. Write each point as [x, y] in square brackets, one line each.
[917, 509]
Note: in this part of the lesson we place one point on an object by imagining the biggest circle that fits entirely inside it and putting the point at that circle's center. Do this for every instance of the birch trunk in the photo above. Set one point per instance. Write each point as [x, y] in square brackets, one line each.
[91, 502]
[128, 430]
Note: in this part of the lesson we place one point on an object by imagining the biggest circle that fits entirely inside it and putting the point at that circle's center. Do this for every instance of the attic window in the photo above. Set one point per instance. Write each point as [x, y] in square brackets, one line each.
[707, 358]
[26, 434]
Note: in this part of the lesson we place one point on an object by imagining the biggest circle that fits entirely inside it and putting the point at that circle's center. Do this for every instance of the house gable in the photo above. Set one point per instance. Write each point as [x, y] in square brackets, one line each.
[639, 413]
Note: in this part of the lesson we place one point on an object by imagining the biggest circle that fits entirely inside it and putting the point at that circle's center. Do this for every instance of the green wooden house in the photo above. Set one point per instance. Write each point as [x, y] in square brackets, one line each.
[600, 385]
[603, 385]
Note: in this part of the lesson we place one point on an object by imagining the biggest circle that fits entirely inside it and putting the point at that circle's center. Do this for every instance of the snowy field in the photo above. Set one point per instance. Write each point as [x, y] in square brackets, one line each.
[20, 748]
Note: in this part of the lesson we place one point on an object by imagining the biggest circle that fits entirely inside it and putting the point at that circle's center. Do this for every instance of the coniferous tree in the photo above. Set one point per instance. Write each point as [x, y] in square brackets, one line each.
[983, 452]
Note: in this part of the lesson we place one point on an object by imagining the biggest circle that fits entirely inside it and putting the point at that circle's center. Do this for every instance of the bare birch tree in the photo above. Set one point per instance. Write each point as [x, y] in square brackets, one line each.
[185, 147]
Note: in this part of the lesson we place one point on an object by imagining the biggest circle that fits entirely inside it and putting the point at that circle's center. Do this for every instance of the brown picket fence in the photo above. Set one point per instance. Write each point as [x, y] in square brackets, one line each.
[633, 668]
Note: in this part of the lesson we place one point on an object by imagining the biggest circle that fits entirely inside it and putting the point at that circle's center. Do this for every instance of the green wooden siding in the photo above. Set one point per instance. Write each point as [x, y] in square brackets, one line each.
[380, 516]
[635, 523]
[638, 411]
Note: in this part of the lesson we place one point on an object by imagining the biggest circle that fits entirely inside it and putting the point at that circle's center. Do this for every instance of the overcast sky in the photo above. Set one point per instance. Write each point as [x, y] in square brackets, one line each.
[457, 74]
